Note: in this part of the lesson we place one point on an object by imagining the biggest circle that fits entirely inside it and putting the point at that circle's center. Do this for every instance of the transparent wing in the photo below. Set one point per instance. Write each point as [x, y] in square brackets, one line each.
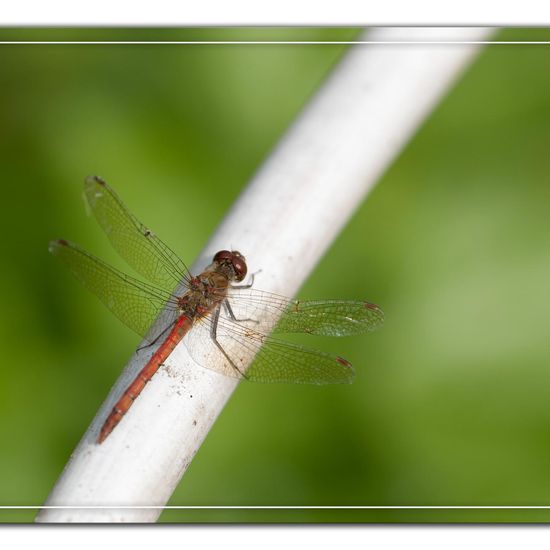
[139, 247]
[135, 303]
[273, 361]
[266, 312]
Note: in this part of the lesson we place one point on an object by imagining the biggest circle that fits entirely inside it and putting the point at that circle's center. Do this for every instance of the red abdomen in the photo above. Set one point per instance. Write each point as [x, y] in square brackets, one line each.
[179, 330]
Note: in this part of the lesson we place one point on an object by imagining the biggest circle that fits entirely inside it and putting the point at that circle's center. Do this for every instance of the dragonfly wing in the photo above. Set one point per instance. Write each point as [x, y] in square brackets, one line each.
[267, 312]
[204, 351]
[135, 303]
[139, 247]
[235, 347]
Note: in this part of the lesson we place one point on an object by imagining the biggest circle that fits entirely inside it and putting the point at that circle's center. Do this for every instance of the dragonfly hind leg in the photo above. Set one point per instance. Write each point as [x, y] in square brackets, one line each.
[213, 335]
[156, 338]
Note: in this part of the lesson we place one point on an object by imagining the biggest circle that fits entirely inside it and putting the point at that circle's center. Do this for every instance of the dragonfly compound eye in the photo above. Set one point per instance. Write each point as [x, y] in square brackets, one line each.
[223, 256]
[239, 265]
[235, 260]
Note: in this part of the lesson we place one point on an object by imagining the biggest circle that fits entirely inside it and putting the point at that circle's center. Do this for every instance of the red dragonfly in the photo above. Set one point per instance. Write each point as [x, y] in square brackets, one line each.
[226, 323]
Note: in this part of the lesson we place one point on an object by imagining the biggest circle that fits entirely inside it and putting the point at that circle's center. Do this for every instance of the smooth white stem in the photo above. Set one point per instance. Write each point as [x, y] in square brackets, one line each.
[283, 223]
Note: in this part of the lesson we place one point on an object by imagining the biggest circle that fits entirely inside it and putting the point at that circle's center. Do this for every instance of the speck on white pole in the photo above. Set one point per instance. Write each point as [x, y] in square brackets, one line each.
[283, 222]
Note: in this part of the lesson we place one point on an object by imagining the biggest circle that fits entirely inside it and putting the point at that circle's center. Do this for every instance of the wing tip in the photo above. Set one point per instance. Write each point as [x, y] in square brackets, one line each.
[376, 310]
[54, 244]
[94, 180]
[349, 370]
[94, 187]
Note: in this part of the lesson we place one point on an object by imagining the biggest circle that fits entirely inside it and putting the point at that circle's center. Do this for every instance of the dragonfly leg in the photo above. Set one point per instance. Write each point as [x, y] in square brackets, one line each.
[213, 334]
[153, 342]
[227, 307]
[247, 285]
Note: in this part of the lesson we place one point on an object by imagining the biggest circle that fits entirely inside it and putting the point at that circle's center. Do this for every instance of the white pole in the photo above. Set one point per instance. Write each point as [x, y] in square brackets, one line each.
[283, 223]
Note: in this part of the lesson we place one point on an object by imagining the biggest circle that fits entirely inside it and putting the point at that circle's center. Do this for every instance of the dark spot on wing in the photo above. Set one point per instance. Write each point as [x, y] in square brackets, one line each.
[343, 361]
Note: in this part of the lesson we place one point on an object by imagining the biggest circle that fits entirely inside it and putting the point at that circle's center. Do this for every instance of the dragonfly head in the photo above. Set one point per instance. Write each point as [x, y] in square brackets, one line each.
[232, 263]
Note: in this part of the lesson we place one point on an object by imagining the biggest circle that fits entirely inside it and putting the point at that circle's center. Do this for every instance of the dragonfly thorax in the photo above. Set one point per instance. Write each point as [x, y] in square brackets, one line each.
[205, 292]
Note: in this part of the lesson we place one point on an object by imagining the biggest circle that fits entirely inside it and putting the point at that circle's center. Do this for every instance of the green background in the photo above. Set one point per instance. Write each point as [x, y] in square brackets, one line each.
[451, 400]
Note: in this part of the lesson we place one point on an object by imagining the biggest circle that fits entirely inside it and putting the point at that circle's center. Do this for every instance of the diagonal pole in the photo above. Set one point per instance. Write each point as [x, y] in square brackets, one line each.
[283, 222]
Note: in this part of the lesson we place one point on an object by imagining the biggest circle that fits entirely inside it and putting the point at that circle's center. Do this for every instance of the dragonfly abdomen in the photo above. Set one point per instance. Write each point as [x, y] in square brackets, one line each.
[179, 330]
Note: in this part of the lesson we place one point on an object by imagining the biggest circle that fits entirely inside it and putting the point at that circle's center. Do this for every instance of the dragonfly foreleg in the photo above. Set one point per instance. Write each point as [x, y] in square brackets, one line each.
[247, 285]
[213, 335]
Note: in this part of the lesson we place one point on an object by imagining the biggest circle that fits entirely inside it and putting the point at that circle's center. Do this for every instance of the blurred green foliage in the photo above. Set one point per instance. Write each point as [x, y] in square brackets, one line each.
[451, 402]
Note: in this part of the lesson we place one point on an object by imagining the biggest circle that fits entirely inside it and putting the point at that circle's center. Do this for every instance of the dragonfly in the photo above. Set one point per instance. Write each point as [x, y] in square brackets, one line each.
[227, 325]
